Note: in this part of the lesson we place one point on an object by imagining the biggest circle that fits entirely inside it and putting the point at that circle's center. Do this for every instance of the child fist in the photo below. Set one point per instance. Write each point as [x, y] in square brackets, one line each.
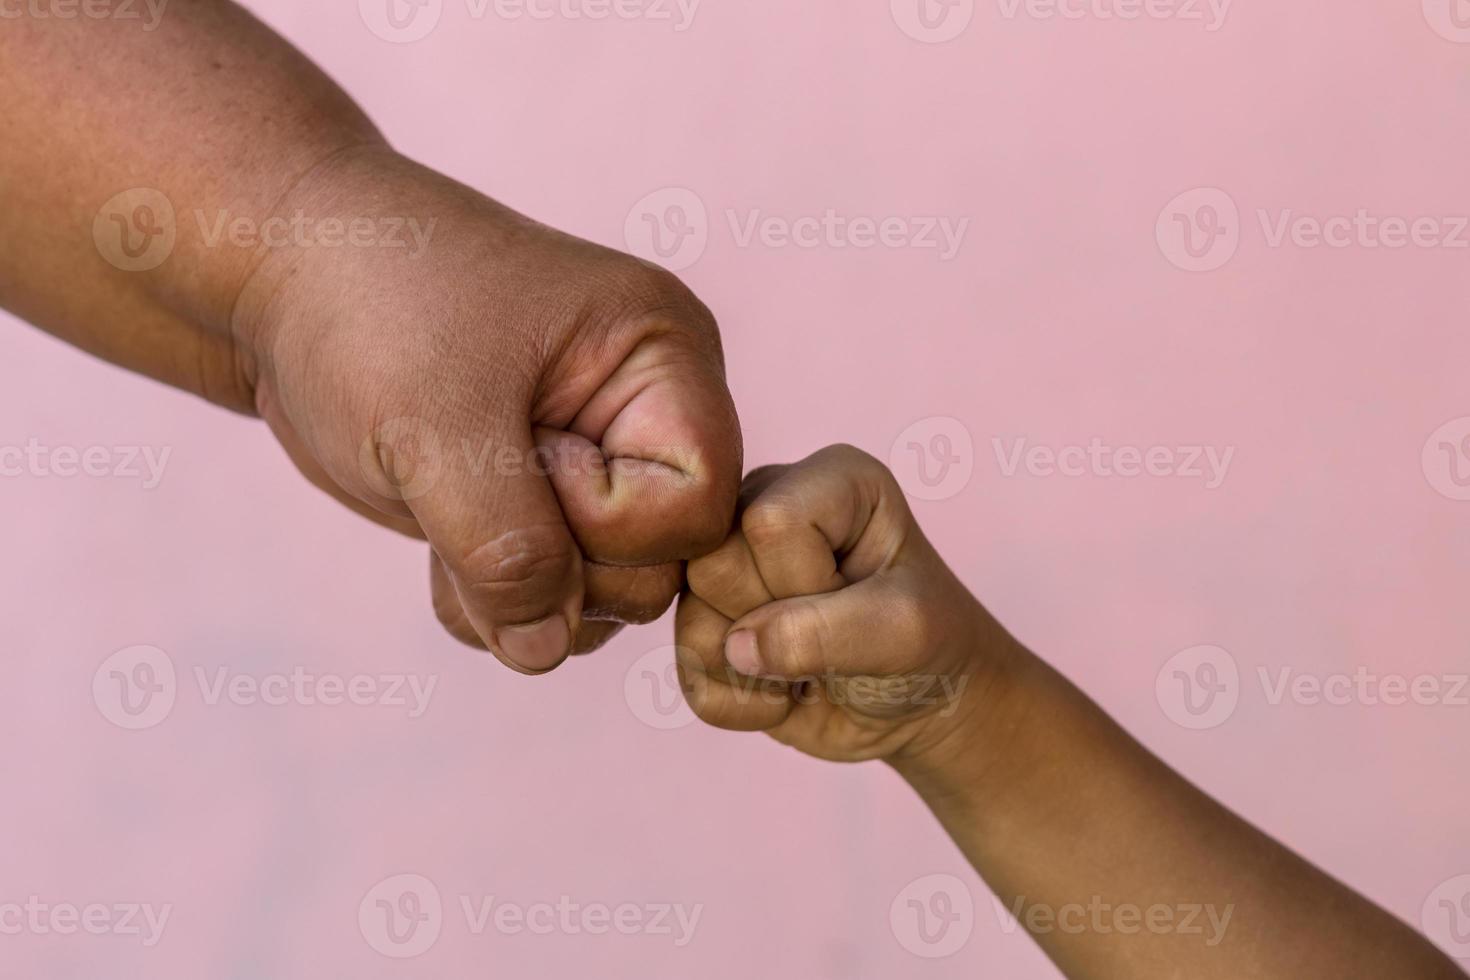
[828, 620]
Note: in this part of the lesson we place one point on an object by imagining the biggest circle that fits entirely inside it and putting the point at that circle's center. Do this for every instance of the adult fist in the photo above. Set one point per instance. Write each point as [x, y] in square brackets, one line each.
[550, 415]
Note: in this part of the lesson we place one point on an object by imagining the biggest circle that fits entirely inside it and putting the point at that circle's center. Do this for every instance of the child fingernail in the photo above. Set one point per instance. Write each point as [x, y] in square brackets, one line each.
[741, 653]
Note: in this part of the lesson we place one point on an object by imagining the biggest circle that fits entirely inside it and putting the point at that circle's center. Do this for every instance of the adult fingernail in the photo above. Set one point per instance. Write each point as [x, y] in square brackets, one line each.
[741, 653]
[539, 646]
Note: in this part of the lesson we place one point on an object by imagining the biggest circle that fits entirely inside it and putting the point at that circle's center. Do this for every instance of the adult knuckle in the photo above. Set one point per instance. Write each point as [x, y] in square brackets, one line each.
[643, 295]
[696, 519]
[709, 524]
[661, 293]
[515, 570]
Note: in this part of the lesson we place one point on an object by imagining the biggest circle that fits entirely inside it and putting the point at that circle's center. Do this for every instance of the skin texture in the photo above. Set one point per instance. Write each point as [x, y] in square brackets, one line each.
[388, 375]
[551, 416]
[859, 629]
[867, 647]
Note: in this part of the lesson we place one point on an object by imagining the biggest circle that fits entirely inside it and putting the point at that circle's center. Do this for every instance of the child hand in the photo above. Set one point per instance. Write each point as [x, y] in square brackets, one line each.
[828, 620]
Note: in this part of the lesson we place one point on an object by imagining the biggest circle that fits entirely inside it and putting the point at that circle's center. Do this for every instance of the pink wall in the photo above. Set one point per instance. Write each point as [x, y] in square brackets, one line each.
[1336, 541]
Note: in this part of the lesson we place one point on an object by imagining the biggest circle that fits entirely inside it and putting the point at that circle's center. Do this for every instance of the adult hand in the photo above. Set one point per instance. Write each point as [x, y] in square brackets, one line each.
[551, 415]
[211, 210]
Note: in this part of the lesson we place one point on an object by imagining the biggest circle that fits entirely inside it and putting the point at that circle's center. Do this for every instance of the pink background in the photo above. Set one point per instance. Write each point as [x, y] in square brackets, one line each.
[1061, 319]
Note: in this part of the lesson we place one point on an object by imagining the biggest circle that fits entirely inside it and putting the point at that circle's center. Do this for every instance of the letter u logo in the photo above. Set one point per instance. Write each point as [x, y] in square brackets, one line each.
[409, 911]
[1456, 456]
[400, 20]
[933, 14]
[1205, 679]
[146, 225]
[662, 689]
[1458, 914]
[934, 917]
[675, 221]
[1206, 220]
[941, 450]
[143, 682]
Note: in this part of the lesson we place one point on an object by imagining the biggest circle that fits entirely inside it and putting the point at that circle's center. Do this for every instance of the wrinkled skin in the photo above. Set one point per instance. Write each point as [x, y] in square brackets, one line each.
[418, 390]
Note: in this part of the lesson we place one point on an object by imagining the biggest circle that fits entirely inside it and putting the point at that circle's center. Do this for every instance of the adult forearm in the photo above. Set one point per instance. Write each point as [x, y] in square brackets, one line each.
[206, 118]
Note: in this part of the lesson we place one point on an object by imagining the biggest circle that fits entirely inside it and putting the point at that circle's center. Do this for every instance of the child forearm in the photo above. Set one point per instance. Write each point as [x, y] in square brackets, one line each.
[1119, 867]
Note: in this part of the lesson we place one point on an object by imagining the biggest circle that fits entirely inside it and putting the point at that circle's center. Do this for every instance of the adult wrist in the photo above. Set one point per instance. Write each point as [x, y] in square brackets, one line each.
[262, 253]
